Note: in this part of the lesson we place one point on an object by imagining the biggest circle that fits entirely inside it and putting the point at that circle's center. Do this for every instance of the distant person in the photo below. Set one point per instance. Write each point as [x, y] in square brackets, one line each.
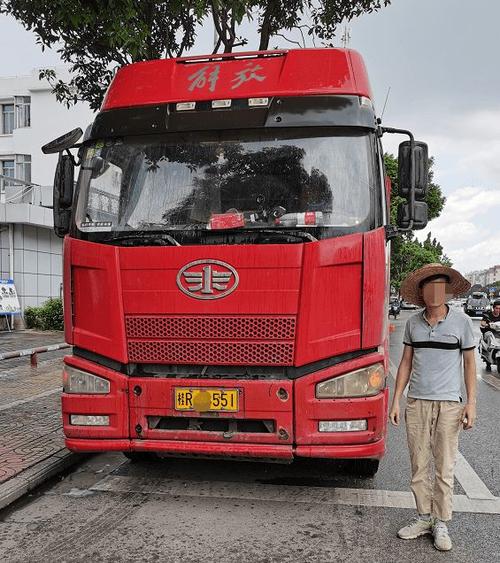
[492, 316]
[438, 351]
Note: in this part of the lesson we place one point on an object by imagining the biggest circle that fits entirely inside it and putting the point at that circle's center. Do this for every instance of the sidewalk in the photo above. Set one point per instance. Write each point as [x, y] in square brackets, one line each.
[31, 440]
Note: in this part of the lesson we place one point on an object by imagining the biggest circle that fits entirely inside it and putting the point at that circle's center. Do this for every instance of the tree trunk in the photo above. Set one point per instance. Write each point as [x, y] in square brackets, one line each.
[265, 31]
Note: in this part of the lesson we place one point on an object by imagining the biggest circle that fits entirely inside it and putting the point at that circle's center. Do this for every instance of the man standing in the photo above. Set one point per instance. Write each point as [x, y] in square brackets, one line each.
[439, 349]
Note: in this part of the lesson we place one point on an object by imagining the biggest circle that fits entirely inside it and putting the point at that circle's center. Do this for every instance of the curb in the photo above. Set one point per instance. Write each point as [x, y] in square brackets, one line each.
[35, 475]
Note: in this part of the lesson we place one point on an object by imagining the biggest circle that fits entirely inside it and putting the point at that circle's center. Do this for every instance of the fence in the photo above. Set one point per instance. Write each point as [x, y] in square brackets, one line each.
[33, 352]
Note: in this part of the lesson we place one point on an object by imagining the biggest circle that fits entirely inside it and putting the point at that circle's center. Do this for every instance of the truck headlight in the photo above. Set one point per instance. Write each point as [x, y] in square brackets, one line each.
[77, 381]
[360, 383]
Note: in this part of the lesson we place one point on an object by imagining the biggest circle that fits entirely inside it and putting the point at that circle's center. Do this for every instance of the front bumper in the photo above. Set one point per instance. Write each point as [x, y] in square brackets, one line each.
[252, 451]
[296, 419]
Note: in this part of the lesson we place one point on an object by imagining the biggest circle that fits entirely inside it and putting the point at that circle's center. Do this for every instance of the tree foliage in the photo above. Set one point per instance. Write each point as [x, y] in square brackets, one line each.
[96, 38]
[407, 252]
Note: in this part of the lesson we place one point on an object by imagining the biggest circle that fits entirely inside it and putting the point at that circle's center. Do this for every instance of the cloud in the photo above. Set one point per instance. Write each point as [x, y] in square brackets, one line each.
[468, 228]
[465, 145]
[466, 259]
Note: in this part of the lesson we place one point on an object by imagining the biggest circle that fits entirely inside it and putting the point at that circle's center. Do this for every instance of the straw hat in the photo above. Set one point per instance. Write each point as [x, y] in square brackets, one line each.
[410, 289]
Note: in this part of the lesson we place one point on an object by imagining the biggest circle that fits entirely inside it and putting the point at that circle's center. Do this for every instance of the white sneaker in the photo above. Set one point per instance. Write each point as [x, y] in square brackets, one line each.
[417, 527]
[442, 540]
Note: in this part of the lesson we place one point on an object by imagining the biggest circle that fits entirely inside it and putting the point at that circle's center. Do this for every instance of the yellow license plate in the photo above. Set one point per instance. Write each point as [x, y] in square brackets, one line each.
[206, 400]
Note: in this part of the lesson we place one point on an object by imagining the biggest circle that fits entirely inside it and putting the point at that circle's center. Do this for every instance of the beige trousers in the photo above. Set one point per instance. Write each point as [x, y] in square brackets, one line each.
[432, 429]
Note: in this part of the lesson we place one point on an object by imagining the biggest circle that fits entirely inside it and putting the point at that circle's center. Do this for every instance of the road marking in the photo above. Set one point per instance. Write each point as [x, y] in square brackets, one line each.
[281, 493]
[473, 486]
[471, 482]
[29, 399]
[490, 380]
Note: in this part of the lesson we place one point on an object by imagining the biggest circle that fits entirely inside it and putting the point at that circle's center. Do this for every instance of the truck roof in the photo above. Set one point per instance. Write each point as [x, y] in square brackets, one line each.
[295, 72]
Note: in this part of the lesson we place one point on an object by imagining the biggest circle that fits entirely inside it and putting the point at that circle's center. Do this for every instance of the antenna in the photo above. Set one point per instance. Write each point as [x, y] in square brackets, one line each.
[385, 103]
[346, 36]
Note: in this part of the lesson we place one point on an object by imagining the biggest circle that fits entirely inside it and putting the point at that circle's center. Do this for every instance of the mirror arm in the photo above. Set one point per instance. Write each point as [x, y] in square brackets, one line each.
[75, 163]
[412, 172]
[391, 231]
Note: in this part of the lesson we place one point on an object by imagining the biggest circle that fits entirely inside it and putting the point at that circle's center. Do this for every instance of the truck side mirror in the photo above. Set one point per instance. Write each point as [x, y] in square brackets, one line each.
[63, 142]
[63, 194]
[420, 215]
[421, 161]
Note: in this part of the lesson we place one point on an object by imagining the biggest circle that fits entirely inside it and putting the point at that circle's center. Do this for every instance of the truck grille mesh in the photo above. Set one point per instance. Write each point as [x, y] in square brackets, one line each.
[204, 340]
[237, 328]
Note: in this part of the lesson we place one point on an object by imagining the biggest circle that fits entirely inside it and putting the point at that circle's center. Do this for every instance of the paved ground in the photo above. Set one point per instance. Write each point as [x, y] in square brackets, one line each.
[31, 441]
[198, 510]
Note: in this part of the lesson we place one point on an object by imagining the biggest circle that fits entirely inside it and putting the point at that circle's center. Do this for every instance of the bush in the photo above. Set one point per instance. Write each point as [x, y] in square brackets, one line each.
[31, 318]
[48, 316]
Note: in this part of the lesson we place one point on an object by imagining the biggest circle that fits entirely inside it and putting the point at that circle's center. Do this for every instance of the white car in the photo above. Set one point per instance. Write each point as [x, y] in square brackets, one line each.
[406, 305]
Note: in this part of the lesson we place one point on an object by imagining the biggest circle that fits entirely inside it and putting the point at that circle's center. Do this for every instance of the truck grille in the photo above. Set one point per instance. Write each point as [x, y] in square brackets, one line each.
[198, 424]
[237, 328]
[211, 340]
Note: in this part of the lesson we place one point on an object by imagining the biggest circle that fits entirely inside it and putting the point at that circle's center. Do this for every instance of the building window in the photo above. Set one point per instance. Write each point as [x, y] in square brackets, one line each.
[7, 119]
[7, 168]
[23, 111]
[23, 167]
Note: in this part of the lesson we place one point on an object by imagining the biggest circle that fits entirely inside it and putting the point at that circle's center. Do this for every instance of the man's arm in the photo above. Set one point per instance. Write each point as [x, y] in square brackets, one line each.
[402, 378]
[469, 412]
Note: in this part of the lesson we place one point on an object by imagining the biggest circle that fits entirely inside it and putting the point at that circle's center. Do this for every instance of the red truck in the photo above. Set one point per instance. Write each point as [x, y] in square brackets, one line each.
[226, 260]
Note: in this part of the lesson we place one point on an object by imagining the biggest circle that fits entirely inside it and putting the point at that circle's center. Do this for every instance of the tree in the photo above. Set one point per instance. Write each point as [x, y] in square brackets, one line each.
[96, 38]
[407, 252]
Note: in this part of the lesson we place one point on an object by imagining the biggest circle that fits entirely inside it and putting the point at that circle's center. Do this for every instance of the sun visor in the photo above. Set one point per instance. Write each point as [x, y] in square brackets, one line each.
[310, 111]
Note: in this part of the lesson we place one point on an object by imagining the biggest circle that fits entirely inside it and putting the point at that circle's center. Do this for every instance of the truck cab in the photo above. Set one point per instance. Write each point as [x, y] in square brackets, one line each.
[226, 259]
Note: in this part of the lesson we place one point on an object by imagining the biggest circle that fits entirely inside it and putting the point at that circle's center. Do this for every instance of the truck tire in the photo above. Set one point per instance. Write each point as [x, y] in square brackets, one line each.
[498, 366]
[365, 467]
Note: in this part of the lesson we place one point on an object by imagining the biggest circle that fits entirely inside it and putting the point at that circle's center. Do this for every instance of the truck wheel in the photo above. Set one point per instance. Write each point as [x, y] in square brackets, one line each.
[498, 366]
[365, 467]
[488, 366]
[140, 457]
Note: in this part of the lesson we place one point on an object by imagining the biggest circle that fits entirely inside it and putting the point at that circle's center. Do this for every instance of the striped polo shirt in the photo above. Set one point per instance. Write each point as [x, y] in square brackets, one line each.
[437, 370]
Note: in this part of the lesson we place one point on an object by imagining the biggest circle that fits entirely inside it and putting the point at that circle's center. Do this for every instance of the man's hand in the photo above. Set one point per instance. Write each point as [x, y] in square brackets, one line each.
[468, 416]
[394, 413]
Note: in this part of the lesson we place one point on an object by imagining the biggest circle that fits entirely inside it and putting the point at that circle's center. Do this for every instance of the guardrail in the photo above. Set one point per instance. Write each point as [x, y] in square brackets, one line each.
[33, 352]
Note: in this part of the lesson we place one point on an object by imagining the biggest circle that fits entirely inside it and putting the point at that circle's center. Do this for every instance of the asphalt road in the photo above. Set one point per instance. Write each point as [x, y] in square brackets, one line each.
[109, 509]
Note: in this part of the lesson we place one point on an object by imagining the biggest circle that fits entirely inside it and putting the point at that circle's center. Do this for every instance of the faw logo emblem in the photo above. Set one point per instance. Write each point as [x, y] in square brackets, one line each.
[207, 279]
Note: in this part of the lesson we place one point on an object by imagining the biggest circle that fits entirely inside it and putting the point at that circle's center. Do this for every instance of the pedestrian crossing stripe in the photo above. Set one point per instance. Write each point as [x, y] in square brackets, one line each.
[281, 493]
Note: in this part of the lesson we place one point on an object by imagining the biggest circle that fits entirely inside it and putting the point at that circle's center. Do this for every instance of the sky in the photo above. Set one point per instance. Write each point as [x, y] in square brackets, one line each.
[440, 60]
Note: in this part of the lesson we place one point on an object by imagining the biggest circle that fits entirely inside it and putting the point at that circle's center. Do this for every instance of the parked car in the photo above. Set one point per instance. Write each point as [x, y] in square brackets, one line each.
[406, 305]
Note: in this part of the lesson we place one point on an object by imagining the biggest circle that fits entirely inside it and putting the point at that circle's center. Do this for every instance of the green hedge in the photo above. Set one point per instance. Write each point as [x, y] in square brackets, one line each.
[48, 316]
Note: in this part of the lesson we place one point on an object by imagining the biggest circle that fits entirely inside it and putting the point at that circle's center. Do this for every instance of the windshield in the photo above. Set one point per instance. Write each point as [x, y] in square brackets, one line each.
[271, 179]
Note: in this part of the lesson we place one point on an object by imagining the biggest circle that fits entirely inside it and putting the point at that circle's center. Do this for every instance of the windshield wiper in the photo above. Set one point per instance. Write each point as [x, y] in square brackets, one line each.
[157, 239]
[297, 234]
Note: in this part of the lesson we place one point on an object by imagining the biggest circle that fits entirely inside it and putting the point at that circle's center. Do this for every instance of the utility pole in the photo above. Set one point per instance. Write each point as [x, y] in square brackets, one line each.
[346, 36]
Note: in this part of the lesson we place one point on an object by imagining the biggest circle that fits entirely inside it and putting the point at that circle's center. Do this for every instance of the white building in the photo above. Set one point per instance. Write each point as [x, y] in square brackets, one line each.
[485, 277]
[30, 116]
